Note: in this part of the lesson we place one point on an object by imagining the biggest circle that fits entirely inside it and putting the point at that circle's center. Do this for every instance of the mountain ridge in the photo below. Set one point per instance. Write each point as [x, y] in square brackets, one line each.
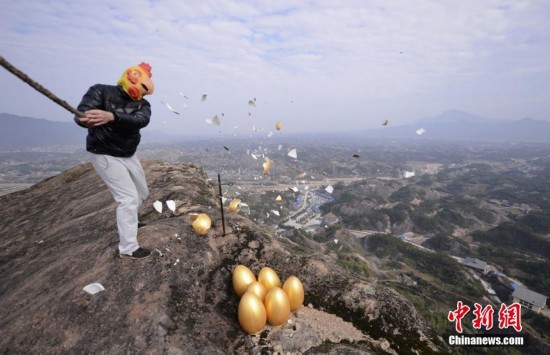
[20, 133]
[455, 115]
[455, 125]
[182, 301]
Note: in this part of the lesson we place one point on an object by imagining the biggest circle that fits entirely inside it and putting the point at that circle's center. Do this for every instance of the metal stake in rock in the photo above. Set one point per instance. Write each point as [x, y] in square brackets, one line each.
[221, 199]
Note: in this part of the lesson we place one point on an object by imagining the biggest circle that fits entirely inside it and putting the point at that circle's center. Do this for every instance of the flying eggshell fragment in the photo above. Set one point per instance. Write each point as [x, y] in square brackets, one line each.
[170, 107]
[94, 288]
[245, 208]
[293, 154]
[158, 206]
[171, 205]
[213, 121]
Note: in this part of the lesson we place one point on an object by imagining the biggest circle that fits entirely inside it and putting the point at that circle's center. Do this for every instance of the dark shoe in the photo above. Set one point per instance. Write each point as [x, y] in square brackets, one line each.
[140, 253]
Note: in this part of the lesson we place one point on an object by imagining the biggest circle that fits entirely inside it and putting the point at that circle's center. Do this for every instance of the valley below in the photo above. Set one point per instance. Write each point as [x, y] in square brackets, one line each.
[437, 222]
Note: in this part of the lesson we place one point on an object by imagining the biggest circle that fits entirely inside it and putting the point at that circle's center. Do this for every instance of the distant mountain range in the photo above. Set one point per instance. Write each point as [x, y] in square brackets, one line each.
[455, 125]
[19, 132]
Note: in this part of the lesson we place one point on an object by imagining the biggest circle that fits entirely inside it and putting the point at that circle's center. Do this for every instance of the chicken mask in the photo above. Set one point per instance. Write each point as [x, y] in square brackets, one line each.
[136, 81]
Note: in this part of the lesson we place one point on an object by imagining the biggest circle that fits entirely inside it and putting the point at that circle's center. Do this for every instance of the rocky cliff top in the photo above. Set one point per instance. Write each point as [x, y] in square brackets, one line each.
[60, 235]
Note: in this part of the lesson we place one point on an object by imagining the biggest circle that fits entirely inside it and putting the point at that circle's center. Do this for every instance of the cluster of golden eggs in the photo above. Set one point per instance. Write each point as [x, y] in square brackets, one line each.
[263, 300]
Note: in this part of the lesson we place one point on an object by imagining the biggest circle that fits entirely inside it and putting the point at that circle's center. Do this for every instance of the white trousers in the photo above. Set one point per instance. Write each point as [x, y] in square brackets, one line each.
[126, 180]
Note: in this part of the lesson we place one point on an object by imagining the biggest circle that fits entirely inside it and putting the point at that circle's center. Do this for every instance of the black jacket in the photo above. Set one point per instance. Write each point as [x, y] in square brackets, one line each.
[121, 137]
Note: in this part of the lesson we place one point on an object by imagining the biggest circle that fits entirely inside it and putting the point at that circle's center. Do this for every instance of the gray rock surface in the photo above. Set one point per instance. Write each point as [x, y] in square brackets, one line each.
[60, 235]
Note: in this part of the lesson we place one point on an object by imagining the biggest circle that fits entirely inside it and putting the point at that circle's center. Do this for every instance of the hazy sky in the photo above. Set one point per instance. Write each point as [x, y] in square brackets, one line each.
[313, 65]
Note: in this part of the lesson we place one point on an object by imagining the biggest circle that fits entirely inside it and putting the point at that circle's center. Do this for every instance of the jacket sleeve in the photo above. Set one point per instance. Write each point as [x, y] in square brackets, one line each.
[93, 99]
[135, 120]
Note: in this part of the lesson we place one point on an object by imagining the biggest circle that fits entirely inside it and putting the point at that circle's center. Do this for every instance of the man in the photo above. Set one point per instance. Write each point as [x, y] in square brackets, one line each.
[114, 115]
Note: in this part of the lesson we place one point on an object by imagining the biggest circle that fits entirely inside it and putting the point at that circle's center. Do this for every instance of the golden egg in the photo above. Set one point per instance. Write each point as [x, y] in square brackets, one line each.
[234, 205]
[258, 289]
[252, 313]
[201, 223]
[295, 292]
[267, 165]
[268, 278]
[242, 277]
[277, 306]
[278, 125]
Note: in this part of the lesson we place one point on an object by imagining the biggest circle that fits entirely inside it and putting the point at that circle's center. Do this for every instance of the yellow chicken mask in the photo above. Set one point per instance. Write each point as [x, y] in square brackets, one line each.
[136, 81]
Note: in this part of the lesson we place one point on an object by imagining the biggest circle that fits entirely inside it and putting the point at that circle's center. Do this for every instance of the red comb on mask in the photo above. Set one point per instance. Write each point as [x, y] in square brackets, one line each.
[146, 67]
